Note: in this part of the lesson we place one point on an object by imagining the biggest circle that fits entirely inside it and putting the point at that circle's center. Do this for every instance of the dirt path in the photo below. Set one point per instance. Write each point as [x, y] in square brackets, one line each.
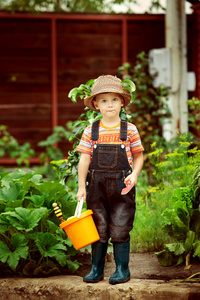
[142, 266]
[149, 281]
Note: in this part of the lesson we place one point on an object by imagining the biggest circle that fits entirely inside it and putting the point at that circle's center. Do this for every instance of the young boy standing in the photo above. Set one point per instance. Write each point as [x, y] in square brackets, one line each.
[111, 155]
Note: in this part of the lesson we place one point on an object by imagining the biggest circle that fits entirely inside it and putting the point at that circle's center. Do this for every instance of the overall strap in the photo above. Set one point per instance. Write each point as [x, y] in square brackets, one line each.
[123, 130]
[95, 130]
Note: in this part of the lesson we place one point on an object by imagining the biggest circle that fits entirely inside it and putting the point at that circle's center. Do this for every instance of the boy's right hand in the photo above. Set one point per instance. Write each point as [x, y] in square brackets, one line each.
[81, 194]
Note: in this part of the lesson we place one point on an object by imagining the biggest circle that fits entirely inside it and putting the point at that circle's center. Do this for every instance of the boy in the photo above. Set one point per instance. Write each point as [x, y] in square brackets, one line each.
[109, 149]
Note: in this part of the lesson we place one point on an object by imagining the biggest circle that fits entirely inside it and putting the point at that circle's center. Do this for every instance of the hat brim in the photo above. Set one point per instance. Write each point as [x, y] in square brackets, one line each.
[89, 100]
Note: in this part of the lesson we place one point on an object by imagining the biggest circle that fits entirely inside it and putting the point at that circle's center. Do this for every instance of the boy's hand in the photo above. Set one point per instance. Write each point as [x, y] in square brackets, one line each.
[81, 194]
[132, 178]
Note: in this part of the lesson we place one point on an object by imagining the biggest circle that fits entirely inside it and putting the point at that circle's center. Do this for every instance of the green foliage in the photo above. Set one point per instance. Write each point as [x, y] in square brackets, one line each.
[196, 183]
[52, 152]
[177, 180]
[84, 90]
[147, 233]
[31, 241]
[150, 105]
[194, 116]
[10, 146]
[95, 6]
[19, 250]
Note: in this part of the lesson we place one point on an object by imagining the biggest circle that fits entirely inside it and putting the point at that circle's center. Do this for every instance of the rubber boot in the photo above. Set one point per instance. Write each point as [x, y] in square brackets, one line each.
[96, 274]
[121, 256]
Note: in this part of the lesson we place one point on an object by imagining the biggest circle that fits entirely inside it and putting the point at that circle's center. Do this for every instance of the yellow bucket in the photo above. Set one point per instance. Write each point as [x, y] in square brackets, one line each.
[81, 231]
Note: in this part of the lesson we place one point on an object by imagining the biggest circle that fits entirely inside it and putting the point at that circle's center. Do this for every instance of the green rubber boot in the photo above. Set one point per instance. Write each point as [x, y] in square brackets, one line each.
[121, 255]
[96, 274]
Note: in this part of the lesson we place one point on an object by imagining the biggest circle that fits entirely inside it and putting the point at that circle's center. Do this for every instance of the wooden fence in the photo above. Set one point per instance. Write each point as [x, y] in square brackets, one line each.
[43, 57]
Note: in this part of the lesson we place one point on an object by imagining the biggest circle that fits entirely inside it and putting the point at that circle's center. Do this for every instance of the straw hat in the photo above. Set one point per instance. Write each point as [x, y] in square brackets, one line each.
[107, 84]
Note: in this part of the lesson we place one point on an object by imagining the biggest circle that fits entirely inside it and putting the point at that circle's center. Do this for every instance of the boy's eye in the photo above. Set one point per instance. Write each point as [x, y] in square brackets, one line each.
[104, 101]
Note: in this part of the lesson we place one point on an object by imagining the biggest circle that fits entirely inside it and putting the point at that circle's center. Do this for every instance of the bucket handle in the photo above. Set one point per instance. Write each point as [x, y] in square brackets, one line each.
[79, 208]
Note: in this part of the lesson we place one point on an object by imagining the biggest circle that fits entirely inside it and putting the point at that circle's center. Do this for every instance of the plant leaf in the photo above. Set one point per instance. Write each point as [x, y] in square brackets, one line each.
[176, 248]
[24, 218]
[37, 200]
[4, 224]
[128, 84]
[18, 243]
[13, 191]
[73, 265]
[48, 245]
[183, 216]
[189, 241]
[197, 249]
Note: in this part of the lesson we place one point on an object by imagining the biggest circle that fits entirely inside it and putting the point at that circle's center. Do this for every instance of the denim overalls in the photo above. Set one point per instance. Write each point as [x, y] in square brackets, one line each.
[113, 213]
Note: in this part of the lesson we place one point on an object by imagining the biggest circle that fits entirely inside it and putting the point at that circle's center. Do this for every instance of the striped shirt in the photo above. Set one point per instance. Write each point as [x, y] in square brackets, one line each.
[111, 135]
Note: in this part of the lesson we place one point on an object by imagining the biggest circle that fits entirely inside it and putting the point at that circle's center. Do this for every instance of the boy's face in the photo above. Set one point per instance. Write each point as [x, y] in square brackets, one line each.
[109, 104]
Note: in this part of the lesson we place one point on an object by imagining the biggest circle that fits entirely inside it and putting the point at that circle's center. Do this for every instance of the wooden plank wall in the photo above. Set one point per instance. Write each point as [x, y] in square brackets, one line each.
[25, 78]
[86, 48]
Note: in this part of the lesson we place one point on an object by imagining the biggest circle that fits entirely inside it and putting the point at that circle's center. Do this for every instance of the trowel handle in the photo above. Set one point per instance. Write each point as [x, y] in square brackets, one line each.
[79, 208]
[57, 211]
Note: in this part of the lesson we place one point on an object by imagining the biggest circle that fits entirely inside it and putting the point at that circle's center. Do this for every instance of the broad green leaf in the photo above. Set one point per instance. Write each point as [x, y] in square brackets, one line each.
[52, 189]
[11, 176]
[61, 257]
[189, 241]
[4, 224]
[11, 205]
[73, 94]
[18, 249]
[197, 249]
[73, 265]
[4, 252]
[129, 83]
[25, 219]
[183, 216]
[176, 248]
[180, 260]
[12, 192]
[195, 221]
[48, 245]
[165, 257]
[30, 180]
[37, 200]
[13, 260]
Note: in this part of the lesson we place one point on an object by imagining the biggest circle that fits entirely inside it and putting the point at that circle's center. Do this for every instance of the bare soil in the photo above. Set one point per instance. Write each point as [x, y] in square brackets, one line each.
[142, 266]
[149, 281]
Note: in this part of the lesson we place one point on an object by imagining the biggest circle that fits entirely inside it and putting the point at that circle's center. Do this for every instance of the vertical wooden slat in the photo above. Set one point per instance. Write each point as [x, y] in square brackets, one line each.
[124, 41]
[54, 85]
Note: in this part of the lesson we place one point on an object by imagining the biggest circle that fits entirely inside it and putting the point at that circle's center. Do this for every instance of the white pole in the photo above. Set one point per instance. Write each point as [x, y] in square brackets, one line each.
[183, 88]
[175, 25]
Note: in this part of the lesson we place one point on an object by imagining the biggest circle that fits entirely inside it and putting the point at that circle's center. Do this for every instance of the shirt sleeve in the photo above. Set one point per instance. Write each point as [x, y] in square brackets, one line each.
[135, 141]
[85, 145]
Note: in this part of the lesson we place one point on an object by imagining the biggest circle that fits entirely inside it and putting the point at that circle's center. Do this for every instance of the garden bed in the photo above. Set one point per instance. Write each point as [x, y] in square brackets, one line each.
[149, 281]
[142, 266]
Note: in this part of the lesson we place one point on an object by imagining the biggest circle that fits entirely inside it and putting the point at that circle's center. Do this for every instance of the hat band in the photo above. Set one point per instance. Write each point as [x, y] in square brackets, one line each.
[108, 89]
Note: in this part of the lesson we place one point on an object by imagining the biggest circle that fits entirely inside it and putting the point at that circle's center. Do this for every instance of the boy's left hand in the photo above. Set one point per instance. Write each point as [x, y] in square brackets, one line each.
[130, 181]
[132, 178]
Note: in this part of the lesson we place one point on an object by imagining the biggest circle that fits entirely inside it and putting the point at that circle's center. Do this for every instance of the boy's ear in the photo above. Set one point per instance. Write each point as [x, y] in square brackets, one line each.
[95, 104]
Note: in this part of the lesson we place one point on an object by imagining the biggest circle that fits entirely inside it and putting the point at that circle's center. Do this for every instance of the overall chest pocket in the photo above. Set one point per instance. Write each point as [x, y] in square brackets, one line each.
[107, 157]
